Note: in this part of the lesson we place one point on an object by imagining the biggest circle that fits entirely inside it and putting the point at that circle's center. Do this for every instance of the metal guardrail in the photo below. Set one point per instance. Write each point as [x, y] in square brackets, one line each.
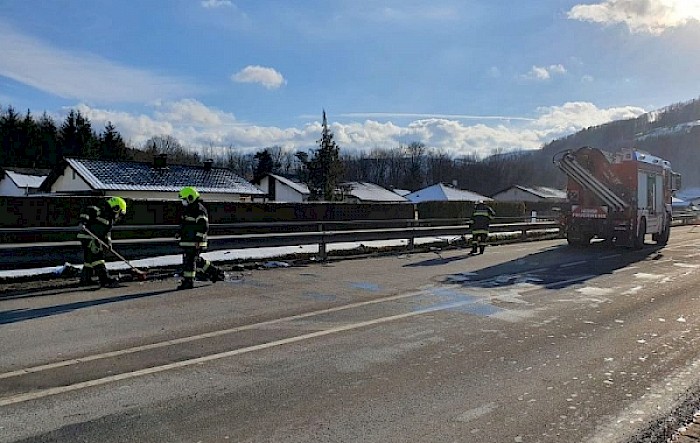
[28, 254]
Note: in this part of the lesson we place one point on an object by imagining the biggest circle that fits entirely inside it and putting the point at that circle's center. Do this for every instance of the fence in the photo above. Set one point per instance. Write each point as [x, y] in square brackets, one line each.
[37, 247]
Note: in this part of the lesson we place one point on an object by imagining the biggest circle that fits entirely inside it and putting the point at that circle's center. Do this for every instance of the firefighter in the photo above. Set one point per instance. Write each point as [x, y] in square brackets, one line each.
[481, 218]
[99, 220]
[193, 239]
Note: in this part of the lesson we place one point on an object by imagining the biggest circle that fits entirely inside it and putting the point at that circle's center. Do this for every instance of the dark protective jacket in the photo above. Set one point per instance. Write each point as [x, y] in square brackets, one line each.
[481, 218]
[99, 219]
[194, 225]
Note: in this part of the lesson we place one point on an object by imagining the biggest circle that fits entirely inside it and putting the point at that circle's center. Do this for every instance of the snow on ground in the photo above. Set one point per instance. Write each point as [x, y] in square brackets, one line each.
[219, 256]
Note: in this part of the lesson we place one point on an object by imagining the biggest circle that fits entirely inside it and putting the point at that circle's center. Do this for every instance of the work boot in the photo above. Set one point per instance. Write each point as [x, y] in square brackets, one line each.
[215, 274]
[481, 250]
[186, 283]
[105, 280]
[86, 277]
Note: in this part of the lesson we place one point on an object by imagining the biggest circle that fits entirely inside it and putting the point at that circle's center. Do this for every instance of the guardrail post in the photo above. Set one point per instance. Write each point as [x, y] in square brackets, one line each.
[322, 253]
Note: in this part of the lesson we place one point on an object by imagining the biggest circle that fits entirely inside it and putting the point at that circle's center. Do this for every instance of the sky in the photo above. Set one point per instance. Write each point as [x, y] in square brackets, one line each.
[466, 77]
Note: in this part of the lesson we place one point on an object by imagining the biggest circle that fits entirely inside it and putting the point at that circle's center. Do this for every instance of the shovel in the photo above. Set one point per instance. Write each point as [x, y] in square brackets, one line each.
[140, 275]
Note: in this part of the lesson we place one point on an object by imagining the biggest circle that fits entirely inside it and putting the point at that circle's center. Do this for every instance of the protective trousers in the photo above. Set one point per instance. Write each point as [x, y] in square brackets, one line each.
[192, 262]
[93, 261]
[479, 240]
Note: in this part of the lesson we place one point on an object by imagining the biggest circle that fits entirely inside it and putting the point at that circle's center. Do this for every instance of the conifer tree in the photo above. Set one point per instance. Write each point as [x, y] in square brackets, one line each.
[325, 168]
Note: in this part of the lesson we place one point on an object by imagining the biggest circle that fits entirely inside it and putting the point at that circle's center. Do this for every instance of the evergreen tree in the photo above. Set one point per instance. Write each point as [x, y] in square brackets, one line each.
[77, 138]
[31, 154]
[325, 168]
[112, 146]
[10, 137]
[264, 164]
[48, 141]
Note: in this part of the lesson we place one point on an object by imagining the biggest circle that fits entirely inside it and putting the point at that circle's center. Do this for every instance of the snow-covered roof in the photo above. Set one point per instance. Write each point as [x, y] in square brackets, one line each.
[370, 192]
[401, 192]
[688, 194]
[138, 176]
[299, 187]
[543, 192]
[442, 192]
[24, 180]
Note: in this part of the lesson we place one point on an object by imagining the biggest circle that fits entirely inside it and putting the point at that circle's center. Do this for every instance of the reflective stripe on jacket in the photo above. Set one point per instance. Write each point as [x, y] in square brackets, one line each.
[481, 218]
[194, 225]
[99, 219]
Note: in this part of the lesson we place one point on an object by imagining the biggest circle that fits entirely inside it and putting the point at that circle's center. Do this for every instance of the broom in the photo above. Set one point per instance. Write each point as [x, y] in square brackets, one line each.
[140, 274]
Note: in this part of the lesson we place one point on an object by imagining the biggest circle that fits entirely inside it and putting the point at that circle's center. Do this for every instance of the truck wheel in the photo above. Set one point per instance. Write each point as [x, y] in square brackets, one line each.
[662, 238]
[641, 233]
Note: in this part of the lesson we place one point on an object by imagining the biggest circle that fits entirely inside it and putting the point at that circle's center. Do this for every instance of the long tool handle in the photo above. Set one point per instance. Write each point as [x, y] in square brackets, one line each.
[113, 251]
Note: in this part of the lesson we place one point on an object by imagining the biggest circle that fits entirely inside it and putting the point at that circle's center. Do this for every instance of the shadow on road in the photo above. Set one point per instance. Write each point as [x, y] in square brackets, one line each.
[20, 315]
[557, 267]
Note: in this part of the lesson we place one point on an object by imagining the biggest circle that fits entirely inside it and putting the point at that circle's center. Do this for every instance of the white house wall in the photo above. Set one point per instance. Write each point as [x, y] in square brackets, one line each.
[285, 194]
[70, 181]
[9, 189]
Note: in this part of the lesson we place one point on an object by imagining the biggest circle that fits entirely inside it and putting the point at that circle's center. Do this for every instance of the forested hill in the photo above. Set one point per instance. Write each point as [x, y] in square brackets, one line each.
[672, 133]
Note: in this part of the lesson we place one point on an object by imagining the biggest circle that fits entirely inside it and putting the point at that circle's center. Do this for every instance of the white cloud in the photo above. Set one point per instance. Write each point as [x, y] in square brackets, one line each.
[544, 72]
[197, 125]
[650, 16]
[268, 77]
[216, 3]
[81, 76]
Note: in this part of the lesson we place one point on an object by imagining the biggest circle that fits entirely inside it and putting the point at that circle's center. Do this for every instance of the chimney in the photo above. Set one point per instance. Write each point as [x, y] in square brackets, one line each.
[160, 161]
[207, 164]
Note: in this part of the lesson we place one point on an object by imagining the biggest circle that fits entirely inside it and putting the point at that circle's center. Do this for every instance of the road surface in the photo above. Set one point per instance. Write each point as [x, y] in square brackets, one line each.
[530, 342]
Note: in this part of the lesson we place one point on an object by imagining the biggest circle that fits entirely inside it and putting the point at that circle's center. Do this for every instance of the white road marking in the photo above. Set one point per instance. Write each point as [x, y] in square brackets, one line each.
[192, 338]
[20, 398]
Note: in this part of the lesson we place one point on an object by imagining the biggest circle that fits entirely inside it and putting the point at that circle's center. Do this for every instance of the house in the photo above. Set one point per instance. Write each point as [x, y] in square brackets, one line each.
[17, 182]
[363, 192]
[401, 192]
[443, 192]
[283, 189]
[139, 180]
[691, 195]
[517, 193]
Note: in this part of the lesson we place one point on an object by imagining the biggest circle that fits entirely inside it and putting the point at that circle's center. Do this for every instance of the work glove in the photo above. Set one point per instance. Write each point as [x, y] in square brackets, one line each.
[95, 246]
[80, 227]
[177, 236]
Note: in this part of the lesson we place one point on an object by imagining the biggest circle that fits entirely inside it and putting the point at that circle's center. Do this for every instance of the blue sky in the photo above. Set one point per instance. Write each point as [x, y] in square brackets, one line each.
[462, 76]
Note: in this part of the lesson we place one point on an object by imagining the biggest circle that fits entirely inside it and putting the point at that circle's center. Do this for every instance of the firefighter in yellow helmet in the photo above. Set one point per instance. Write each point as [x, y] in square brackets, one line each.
[481, 219]
[193, 239]
[99, 220]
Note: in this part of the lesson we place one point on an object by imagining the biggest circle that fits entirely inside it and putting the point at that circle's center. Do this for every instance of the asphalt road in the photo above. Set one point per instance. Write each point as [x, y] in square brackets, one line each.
[530, 342]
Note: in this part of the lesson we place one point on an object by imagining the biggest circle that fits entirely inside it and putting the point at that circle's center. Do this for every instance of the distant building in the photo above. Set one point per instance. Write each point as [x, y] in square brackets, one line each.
[283, 189]
[138, 180]
[691, 195]
[363, 192]
[443, 192]
[18, 182]
[517, 193]
[401, 192]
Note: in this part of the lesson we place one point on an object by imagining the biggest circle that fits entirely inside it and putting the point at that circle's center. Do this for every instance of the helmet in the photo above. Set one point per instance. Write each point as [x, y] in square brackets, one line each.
[117, 204]
[189, 194]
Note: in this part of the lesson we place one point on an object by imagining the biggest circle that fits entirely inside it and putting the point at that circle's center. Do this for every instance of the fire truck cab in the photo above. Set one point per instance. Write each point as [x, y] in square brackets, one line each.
[618, 197]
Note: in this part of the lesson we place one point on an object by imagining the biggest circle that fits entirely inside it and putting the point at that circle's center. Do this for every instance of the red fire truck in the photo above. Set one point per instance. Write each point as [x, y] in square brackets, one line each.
[617, 197]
